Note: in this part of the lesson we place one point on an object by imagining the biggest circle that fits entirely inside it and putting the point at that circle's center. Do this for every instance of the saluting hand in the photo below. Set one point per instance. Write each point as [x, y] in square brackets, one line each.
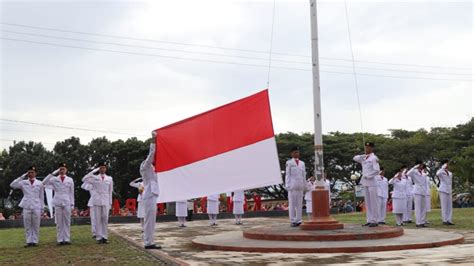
[55, 172]
[24, 175]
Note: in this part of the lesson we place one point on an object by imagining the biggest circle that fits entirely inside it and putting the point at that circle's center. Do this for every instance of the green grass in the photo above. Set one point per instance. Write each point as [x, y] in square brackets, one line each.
[463, 218]
[83, 250]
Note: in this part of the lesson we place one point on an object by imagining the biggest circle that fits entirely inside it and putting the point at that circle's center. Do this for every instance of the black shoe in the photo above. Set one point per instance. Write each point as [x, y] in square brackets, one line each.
[367, 224]
[382, 223]
[449, 223]
[66, 243]
[34, 244]
[182, 225]
[373, 225]
[152, 247]
[94, 237]
[298, 223]
[421, 225]
[293, 225]
[425, 225]
[59, 243]
[105, 241]
[408, 222]
[28, 245]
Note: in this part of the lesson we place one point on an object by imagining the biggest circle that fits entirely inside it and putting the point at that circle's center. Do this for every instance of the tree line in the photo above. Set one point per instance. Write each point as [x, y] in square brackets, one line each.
[124, 157]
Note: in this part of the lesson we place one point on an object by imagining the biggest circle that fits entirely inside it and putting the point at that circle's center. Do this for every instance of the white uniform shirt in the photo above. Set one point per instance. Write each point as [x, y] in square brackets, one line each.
[214, 197]
[446, 180]
[382, 186]
[150, 179]
[101, 193]
[421, 186]
[295, 175]
[88, 187]
[33, 194]
[63, 190]
[399, 188]
[138, 185]
[239, 196]
[370, 168]
[409, 187]
[310, 186]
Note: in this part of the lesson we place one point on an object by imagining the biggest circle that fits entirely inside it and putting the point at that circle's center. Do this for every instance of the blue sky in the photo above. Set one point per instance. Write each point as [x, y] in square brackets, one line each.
[131, 94]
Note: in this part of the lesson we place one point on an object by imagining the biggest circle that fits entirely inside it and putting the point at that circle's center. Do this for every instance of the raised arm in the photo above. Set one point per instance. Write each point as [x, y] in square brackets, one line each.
[90, 174]
[148, 163]
[358, 158]
[16, 183]
[47, 180]
[136, 183]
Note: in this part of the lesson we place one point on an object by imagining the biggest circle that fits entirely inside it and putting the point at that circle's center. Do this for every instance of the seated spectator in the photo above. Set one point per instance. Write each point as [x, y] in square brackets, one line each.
[124, 211]
[1, 216]
[75, 212]
[45, 215]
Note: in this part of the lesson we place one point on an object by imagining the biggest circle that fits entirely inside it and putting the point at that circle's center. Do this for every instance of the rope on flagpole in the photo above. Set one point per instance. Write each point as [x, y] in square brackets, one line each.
[355, 74]
[271, 46]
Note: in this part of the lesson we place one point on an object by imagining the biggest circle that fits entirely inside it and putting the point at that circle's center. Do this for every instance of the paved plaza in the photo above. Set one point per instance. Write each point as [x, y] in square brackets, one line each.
[177, 245]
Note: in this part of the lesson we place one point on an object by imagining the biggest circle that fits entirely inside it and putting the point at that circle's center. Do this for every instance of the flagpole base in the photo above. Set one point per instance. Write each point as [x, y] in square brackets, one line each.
[321, 218]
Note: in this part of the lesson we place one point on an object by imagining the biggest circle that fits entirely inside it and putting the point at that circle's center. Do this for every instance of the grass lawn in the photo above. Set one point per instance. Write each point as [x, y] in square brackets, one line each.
[463, 218]
[83, 250]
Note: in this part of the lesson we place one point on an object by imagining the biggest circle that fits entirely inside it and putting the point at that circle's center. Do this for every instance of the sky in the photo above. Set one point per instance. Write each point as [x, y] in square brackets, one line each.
[123, 68]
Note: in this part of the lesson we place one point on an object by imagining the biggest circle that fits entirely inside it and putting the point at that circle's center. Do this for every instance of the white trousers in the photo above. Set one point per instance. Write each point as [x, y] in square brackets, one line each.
[295, 205]
[407, 216]
[101, 217]
[92, 216]
[420, 209]
[371, 204]
[399, 218]
[31, 222]
[212, 218]
[63, 223]
[446, 206]
[382, 209]
[149, 221]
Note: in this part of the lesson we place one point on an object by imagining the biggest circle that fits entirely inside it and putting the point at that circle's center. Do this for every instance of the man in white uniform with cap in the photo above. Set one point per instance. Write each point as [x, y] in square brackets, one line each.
[63, 201]
[32, 204]
[150, 195]
[420, 191]
[370, 169]
[446, 192]
[101, 197]
[182, 212]
[295, 183]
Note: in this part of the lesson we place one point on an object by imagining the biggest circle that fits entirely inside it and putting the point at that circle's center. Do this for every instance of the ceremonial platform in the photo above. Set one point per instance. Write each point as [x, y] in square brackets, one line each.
[323, 234]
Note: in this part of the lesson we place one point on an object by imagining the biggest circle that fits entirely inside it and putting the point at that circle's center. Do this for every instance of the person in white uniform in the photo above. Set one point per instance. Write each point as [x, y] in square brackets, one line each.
[88, 187]
[182, 212]
[399, 196]
[382, 194]
[446, 192]
[32, 204]
[370, 169]
[416, 173]
[238, 200]
[213, 208]
[63, 201]
[150, 195]
[138, 184]
[295, 184]
[102, 188]
[310, 187]
[409, 188]
[428, 194]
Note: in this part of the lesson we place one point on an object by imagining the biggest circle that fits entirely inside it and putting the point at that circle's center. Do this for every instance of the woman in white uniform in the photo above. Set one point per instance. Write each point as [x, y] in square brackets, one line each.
[399, 196]
[182, 212]
[213, 208]
[138, 184]
[238, 209]
[310, 186]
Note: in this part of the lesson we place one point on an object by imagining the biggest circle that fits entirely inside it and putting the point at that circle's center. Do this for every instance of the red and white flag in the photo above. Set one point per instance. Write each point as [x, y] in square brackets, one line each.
[229, 148]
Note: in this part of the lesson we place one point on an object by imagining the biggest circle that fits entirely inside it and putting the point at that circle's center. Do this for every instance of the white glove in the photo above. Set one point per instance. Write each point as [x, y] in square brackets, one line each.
[93, 171]
[24, 175]
[55, 172]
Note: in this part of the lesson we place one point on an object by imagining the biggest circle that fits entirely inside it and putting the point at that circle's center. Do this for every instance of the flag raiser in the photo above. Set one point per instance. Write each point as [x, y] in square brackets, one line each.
[228, 148]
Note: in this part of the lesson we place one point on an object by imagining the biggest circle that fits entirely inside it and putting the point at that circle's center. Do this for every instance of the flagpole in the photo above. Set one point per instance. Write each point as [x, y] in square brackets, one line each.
[321, 218]
[318, 138]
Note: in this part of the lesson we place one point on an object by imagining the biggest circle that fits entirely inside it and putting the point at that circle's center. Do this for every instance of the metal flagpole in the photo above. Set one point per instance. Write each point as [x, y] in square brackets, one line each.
[318, 137]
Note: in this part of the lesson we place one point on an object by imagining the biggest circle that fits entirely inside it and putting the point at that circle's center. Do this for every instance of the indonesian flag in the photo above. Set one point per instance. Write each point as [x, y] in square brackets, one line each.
[228, 148]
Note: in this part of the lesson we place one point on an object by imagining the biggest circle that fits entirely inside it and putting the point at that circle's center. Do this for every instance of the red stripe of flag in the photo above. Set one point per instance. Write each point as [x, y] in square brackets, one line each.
[214, 132]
